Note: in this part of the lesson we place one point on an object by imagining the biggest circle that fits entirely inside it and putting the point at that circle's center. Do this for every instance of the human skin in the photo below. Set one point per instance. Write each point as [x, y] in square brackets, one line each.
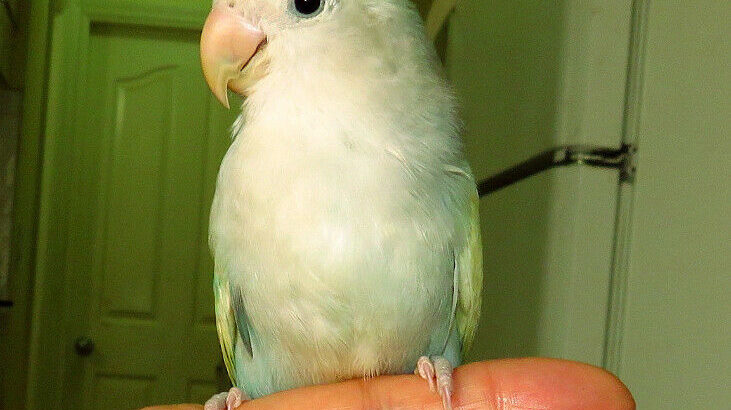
[529, 383]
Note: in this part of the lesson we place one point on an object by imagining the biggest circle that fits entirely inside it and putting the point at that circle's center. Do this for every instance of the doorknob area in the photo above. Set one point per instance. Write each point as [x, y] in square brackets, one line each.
[621, 158]
[84, 346]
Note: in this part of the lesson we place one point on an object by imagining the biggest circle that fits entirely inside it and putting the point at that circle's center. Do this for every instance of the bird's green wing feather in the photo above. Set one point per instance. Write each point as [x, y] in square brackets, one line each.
[225, 324]
[231, 322]
[469, 266]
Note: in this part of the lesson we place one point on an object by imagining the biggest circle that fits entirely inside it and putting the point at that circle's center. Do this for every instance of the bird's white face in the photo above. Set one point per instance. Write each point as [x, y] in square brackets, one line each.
[236, 32]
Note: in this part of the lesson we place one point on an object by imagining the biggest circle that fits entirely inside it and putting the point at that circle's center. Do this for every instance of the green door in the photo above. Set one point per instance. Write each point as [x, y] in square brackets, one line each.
[141, 141]
[146, 164]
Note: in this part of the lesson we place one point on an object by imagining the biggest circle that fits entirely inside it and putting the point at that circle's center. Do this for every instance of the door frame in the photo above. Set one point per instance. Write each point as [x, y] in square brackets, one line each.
[71, 25]
[612, 358]
[25, 210]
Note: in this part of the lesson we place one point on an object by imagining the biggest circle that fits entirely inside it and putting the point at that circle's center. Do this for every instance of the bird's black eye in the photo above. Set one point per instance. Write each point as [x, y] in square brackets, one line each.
[308, 7]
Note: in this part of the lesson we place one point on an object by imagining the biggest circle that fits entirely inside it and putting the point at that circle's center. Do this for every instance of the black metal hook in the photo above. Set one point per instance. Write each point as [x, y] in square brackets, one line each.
[621, 159]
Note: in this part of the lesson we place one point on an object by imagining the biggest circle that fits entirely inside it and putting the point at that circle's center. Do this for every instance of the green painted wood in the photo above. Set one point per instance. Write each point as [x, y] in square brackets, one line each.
[675, 341]
[9, 129]
[149, 188]
[16, 8]
[532, 75]
[25, 211]
[13, 41]
[7, 35]
[129, 173]
[423, 6]
[44, 373]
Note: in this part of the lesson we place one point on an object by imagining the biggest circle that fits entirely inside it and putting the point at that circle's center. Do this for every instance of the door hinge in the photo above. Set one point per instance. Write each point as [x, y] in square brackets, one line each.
[621, 159]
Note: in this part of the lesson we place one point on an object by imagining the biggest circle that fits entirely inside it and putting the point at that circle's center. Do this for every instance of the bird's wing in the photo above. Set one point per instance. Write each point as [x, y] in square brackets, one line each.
[469, 281]
[231, 322]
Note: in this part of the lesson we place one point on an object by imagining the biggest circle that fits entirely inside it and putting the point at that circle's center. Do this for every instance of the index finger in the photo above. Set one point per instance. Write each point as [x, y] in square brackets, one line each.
[519, 383]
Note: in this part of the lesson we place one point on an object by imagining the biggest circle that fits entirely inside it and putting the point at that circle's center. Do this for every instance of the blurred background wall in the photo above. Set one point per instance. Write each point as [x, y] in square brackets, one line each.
[626, 273]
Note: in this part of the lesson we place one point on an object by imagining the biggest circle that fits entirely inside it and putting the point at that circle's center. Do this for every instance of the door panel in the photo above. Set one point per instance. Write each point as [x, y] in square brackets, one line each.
[149, 142]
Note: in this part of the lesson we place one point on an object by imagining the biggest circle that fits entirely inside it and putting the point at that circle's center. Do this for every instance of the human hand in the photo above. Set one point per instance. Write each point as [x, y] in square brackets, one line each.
[511, 383]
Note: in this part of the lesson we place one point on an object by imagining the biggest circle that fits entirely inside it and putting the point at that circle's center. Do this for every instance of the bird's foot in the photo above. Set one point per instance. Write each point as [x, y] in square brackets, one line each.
[226, 400]
[437, 371]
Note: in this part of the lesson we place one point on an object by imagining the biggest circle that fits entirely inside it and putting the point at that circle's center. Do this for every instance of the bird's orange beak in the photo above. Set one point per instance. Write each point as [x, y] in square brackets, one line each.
[228, 42]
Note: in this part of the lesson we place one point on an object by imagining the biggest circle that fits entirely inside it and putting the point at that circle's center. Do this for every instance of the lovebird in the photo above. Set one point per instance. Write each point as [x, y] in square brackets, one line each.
[344, 226]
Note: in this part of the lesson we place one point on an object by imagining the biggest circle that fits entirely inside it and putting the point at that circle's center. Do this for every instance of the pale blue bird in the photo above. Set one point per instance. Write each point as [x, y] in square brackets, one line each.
[344, 226]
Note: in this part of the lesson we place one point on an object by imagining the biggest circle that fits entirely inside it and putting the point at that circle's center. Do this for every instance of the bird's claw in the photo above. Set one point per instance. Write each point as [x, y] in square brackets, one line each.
[226, 400]
[425, 369]
[440, 369]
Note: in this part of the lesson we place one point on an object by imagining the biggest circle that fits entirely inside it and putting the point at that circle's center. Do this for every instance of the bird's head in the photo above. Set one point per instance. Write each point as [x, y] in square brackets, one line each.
[243, 40]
